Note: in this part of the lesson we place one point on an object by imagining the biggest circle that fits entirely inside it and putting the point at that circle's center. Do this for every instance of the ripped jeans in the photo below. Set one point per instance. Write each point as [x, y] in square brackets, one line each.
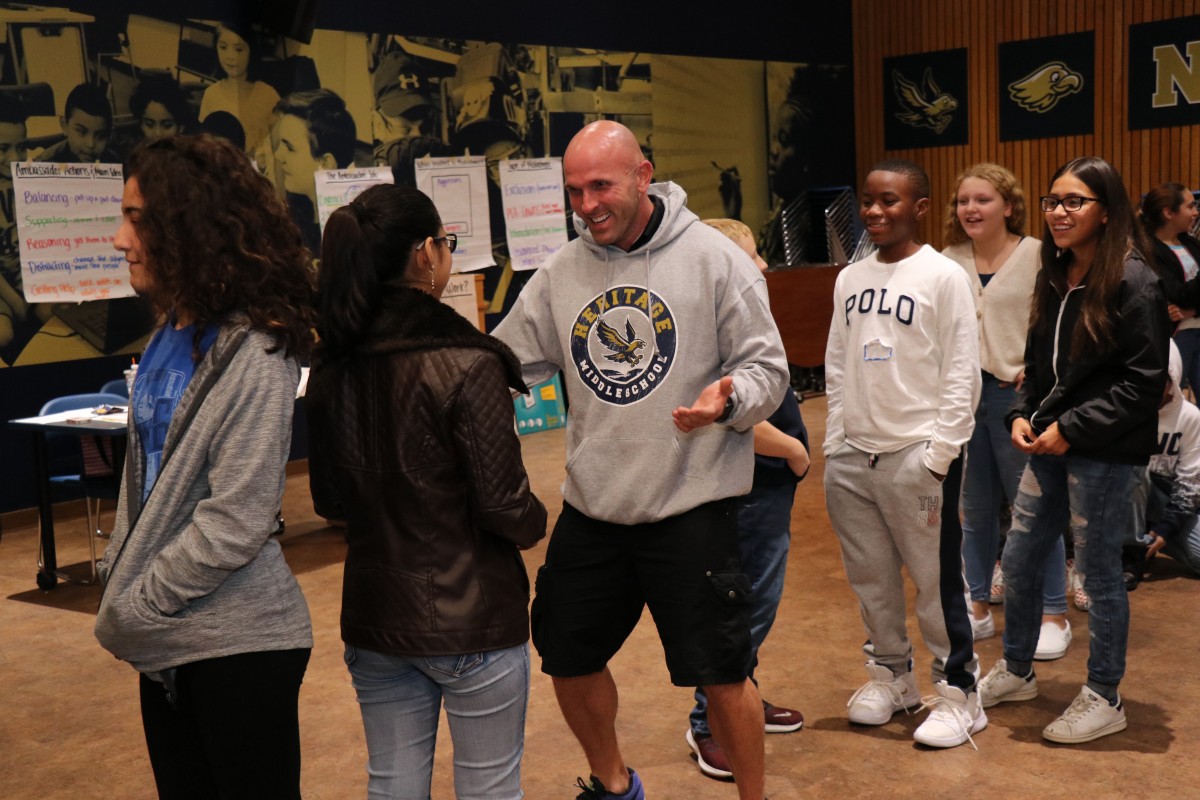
[1095, 498]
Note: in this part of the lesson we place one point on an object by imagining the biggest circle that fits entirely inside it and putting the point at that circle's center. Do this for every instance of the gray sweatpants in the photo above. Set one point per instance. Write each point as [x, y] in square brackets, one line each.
[890, 512]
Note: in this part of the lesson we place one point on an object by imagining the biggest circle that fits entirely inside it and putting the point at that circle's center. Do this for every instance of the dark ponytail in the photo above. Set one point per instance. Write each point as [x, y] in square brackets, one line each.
[347, 284]
[368, 247]
[1159, 200]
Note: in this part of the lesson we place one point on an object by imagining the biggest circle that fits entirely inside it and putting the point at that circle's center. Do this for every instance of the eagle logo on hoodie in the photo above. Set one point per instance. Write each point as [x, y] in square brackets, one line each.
[624, 348]
[623, 344]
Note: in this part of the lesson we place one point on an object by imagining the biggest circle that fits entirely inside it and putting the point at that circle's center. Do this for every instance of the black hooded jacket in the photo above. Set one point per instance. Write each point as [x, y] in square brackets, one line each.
[1105, 404]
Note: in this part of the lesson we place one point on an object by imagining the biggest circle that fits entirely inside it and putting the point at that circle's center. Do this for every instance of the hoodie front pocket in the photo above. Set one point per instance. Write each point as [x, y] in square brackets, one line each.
[142, 609]
[622, 470]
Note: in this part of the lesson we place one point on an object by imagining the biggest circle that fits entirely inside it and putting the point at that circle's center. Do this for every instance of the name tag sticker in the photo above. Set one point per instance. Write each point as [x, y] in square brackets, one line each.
[876, 350]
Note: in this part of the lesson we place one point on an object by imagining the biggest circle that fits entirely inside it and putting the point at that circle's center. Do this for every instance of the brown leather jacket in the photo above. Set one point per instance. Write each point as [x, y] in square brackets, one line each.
[412, 443]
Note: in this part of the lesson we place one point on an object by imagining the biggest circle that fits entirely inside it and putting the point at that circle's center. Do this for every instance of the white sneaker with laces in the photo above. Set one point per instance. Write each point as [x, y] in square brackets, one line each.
[996, 596]
[954, 717]
[983, 628]
[882, 696]
[1089, 717]
[1002, 686]
[1052, 641]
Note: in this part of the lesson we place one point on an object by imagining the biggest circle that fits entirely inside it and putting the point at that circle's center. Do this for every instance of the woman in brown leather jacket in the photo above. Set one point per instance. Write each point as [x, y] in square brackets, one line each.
[413, 445]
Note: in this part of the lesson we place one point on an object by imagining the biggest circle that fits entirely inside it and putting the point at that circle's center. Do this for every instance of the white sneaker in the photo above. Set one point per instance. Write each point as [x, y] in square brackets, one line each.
[1001, 686]
[982, 628]
[996, 596]
[879, 698]
[954, 716]
[1052, 641]
[1089, 717]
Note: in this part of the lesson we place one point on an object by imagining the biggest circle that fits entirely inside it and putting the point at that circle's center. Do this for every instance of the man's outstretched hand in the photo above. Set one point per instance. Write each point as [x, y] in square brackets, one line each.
[707, 408]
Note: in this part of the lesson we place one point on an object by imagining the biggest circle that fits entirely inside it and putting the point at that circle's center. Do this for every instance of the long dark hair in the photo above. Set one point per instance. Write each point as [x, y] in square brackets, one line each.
[218, 241]
[368, 246]
[1118, 238]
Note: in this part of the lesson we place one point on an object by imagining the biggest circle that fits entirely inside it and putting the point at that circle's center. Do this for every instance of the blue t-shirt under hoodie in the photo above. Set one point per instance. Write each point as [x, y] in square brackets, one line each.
[166, 369]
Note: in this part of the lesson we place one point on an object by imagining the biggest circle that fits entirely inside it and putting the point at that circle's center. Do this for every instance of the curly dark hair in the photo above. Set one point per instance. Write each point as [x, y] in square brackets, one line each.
[166, 93]
[218, 242]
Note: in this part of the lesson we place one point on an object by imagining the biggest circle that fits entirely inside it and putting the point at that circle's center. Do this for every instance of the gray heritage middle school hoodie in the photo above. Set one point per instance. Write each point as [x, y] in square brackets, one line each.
[637, 335]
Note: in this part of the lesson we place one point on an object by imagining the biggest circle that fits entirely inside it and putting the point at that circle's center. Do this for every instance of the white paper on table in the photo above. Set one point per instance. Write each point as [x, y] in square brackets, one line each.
[82, 415]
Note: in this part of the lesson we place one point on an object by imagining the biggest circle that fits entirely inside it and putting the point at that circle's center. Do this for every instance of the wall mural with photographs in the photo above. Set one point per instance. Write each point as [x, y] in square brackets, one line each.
[75, 88]
[89, 83]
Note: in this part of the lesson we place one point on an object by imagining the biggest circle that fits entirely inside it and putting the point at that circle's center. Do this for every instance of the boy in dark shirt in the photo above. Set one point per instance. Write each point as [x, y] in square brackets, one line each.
[764, 534]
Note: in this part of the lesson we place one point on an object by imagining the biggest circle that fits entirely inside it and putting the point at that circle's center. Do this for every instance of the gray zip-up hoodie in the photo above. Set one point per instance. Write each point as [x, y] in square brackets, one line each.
[194, 573]
[631, 357]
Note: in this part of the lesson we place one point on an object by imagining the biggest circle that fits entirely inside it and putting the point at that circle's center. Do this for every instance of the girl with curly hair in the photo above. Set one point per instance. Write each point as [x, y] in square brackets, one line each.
[985, 231]
[198, 598]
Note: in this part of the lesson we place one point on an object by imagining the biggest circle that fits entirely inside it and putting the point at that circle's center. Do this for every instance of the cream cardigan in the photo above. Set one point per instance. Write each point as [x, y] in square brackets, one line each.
[1003, 307]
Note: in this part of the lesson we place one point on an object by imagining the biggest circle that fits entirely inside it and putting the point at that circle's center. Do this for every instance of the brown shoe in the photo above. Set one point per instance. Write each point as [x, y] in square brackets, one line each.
[781, 720]
[709, 758]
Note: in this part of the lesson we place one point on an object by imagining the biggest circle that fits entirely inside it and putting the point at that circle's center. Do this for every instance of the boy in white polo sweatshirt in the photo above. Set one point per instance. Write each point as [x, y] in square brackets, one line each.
[902, 372]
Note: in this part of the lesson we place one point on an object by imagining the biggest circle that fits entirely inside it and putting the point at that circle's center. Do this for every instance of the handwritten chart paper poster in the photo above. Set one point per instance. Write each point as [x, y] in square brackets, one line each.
[337, 187]
[461, 295]
[458, 187]
[532, 191]
[67, 215]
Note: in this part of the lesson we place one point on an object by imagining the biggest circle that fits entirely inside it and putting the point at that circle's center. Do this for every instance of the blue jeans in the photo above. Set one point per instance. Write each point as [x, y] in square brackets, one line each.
[486, 695]
[1095, 499]
[1185, 546]
[1188, 342]
[993, 472]
[764, 536]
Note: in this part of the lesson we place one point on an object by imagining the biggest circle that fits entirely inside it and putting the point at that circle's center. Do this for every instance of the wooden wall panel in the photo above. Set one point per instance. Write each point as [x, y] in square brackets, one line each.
[900, 27]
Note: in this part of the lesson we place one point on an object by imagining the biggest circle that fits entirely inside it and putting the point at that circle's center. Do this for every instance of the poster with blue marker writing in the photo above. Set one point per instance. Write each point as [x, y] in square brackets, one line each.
[534, 217]
[67, 216]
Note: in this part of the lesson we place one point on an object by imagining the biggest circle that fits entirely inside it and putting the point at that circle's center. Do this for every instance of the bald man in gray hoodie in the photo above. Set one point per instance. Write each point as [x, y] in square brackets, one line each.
[670, 356]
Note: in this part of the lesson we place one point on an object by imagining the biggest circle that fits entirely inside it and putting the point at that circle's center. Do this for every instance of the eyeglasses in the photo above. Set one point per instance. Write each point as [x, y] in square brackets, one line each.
[451, 241]
[1069, 204]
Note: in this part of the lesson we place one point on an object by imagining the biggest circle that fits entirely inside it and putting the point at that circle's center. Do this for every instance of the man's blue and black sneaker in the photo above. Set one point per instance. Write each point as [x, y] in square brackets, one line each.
[596, 790]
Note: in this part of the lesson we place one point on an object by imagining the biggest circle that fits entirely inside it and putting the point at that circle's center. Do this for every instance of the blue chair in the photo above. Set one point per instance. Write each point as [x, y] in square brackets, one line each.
[70, 477]
[117, 387]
